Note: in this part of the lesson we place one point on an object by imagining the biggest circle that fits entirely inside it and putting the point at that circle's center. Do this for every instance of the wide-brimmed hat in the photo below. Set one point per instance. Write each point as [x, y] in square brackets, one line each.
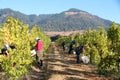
[7, 46]
[36, 38]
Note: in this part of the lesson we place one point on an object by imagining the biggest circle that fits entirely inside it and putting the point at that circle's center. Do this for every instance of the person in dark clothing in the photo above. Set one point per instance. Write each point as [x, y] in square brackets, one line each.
[78, 51]
[63, 45]
[71, 46]
[4, 51]
[73, 41]
[5, 48]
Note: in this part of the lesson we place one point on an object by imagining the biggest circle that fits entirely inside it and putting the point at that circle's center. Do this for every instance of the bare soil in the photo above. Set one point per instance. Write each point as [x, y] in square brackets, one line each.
[64, 33]
[58, 65]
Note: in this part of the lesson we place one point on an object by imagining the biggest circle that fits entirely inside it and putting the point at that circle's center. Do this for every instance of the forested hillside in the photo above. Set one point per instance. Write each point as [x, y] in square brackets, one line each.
[72, 19]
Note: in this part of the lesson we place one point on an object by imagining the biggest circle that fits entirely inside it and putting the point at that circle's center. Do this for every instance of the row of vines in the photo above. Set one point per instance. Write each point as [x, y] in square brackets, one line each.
[16, 33]
[101, 46]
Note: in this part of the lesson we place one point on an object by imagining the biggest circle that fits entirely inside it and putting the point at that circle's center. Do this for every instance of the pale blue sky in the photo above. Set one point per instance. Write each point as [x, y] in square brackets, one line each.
[107, 9]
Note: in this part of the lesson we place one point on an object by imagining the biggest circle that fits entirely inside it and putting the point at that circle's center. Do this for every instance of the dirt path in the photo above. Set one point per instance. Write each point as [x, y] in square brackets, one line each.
[61, 66]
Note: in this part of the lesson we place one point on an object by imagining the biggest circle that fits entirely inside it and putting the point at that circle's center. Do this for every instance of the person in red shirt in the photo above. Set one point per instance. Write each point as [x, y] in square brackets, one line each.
[39, 51]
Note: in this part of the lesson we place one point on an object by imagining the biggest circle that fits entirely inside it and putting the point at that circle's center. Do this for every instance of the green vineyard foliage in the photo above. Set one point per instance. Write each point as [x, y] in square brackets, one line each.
[18, 60]
[101, 46]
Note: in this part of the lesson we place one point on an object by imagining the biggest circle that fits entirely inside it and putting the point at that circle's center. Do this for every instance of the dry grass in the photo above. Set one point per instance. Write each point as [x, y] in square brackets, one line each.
[62, 33]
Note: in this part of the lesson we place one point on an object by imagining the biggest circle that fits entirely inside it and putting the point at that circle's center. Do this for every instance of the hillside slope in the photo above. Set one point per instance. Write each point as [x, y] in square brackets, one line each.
[72, 19]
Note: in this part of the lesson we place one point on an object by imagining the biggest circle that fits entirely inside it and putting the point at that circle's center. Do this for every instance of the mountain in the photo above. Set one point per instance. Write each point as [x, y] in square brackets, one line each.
[72, 19]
